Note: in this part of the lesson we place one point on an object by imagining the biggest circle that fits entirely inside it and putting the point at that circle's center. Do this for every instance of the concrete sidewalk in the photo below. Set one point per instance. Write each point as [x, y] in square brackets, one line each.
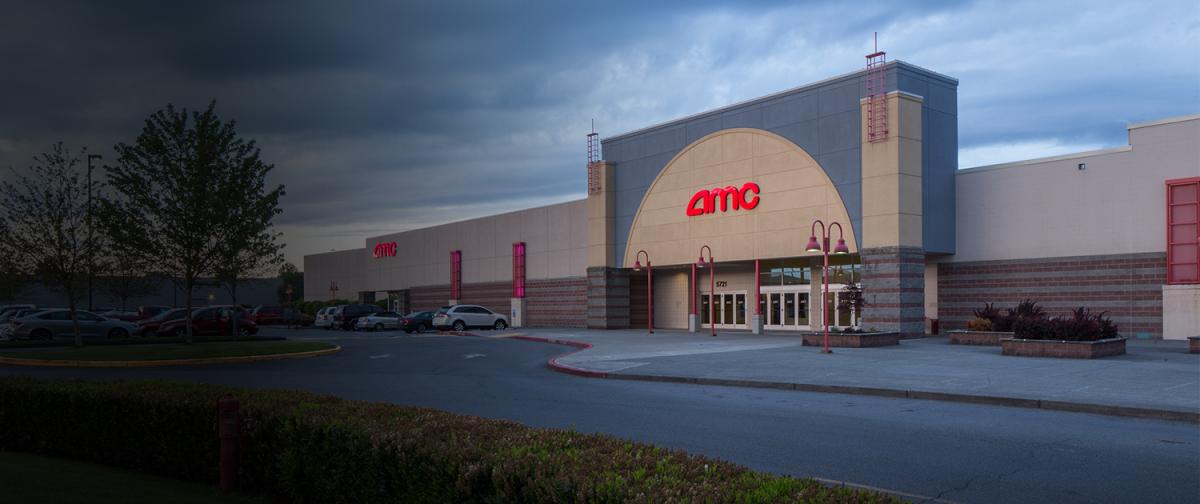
[1156, 379]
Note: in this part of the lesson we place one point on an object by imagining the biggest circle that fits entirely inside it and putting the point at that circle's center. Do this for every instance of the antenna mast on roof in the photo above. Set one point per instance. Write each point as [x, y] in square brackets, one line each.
[593, 161]
[877, 123]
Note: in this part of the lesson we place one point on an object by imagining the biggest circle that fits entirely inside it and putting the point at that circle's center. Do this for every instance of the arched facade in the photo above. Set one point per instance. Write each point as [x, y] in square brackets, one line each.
[752, 195]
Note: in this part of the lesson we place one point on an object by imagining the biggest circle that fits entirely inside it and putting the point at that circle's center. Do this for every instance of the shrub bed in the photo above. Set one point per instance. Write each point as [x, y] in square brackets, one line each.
[303, 447]
[1080, 325]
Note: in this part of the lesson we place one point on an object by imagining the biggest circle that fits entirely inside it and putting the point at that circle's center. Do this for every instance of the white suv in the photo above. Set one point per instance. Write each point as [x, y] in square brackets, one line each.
[324, 318]
[463, 317]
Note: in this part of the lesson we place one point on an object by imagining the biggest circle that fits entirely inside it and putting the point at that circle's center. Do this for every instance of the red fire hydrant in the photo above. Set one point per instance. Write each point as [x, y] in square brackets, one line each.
[229, 431]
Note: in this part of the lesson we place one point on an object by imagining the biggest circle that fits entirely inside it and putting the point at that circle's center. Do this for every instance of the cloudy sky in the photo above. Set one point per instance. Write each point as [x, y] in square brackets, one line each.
[385, 116]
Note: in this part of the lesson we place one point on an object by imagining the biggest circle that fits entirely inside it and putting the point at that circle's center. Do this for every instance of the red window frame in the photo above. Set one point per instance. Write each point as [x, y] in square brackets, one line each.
[518, 269]
[455, 274]
[1183, 230]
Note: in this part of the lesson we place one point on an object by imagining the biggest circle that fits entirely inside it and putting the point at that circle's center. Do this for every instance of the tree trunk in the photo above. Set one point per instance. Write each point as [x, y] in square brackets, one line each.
[188, 283]
[236, 316]
[74, 320]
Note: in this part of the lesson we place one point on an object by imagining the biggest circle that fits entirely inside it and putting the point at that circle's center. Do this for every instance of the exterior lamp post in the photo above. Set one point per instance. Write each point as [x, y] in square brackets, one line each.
[823, 247]
[91, 248]
[637, 266]
[712, 289]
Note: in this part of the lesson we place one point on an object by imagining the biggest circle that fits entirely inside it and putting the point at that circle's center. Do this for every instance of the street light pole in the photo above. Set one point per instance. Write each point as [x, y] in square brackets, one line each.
[91, 249]
[712, 289]
[637, 266]
[823, 247]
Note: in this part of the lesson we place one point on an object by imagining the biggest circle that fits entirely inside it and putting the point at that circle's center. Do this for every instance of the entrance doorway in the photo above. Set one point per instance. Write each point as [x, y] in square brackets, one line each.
[840, 318]
[729, 310]
[785, 307]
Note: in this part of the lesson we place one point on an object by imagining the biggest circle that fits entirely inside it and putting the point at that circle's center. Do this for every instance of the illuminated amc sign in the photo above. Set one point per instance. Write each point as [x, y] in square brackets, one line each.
[705, 201]
[384, 249]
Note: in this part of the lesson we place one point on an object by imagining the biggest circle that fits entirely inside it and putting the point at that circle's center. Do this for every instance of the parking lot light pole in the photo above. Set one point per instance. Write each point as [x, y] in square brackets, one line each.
[823, 247]
[712, 289]
[91, 249]
[637, 266]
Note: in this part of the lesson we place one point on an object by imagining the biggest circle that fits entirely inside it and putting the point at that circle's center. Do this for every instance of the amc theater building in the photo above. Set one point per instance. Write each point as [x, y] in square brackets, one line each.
[1113, 230]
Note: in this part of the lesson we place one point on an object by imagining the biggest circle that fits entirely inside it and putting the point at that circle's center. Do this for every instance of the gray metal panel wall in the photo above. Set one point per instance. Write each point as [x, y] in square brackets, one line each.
[824, 120]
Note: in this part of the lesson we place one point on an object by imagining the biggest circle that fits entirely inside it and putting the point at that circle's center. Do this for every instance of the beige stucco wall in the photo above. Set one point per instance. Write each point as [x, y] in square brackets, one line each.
[555, 238]
[1050, 208]
[891, 176]
[1181, 311]
[671, 291]
[794, 191]
[345, 267]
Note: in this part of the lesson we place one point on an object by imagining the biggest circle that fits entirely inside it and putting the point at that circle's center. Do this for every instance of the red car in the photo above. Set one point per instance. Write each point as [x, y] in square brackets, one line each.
[278, 315]
[150, 326]
[211, 321]
[142, 313]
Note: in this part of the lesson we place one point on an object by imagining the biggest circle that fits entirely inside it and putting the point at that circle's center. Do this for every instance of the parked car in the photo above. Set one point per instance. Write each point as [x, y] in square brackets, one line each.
[346, 315]
[7, 311]
[417, 321]
[49, 324]
[324, 318]
[142, 313]
[379, 321]
[150, 326]
[267, 315]
[297, 317]
[462, 317]
[211, 321]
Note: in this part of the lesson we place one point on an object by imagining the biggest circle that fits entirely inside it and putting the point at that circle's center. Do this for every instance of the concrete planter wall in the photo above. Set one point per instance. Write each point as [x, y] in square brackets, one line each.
[987, 338]
[853, 340]
[1193, 344]
[1063, 349]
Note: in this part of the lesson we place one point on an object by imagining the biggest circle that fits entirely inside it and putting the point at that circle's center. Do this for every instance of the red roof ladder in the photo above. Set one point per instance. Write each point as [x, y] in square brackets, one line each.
[877, 122]
[593, 162]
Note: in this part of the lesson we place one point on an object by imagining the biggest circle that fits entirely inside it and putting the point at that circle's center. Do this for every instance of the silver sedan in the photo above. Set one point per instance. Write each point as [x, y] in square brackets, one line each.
[379, 321]
[51, 324]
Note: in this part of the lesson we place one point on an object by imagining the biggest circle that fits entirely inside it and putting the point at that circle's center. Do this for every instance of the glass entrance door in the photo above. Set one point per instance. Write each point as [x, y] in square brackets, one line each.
[838, 317]
[785, 307]
[729, 310]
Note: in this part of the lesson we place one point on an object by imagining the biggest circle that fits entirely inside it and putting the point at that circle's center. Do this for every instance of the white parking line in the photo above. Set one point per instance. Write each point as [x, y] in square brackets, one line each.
[381, 356]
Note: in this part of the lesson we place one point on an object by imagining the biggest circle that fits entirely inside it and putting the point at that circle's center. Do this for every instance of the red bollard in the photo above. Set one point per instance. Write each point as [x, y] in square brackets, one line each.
[229, 430]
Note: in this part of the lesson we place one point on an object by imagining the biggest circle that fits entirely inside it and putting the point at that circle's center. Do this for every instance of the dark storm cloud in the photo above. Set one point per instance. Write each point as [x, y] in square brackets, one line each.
[386, 115]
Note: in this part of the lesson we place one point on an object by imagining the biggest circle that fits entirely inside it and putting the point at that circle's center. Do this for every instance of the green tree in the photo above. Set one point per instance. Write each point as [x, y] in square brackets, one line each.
[291, 276]
[187, 193]
[126, 276]
[46, 220]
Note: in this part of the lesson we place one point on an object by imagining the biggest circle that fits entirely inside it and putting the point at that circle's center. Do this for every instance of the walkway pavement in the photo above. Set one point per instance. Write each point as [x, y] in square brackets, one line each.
[1156, 379]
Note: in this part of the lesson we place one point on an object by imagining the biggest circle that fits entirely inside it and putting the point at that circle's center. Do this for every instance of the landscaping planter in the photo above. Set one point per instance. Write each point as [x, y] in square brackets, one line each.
[1193, 344]
[987, 338]
[1063, 349]
[853, 340]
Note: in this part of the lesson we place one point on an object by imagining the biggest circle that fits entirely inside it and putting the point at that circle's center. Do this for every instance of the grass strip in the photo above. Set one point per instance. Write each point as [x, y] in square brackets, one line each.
[173, 351]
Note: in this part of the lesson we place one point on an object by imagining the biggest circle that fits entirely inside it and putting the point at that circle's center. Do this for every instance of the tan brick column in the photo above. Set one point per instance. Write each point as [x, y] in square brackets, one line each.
[893, 250]
[608, 286]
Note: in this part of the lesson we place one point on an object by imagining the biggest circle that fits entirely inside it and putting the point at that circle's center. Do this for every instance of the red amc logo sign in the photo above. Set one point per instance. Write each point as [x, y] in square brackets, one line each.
[705, 201]
[387, 249]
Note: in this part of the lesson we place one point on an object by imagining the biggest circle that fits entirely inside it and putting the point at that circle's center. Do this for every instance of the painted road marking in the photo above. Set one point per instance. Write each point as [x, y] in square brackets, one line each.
[381, 356]
[473, 355]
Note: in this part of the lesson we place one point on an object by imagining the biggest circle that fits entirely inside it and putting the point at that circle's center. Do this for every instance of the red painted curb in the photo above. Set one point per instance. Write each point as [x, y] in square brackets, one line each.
[560, 367]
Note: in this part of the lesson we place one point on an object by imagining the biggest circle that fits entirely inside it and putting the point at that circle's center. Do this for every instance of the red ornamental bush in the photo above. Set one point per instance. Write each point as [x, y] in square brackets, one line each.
[1081, 325]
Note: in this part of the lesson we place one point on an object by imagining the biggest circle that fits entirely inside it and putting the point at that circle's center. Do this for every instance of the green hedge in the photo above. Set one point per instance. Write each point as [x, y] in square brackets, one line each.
[303, 447]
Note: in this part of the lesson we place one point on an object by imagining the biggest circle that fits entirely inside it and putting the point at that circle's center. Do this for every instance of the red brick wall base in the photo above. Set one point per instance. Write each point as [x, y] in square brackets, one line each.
[1127, 286]
[852, 340]
[985, 338]
[1063, 349]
